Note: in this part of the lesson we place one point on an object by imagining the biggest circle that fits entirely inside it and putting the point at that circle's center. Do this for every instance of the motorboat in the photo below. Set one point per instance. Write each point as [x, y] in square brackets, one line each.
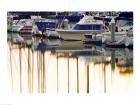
[120, 37]
[123, 32]
[86, 25]
[23, 24]
[20, 24]
[46, 27]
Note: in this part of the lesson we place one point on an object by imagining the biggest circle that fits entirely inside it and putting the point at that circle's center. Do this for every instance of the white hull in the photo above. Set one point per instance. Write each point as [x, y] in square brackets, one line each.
[118, 36]
[75, 34]
[52, 33]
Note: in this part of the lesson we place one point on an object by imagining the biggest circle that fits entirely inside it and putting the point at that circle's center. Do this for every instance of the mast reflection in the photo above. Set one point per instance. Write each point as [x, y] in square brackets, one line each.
[69, 71]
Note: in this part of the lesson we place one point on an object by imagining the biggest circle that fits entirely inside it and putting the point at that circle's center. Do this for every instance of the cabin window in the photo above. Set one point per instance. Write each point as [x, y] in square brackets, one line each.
[88, 27]
[97, 27]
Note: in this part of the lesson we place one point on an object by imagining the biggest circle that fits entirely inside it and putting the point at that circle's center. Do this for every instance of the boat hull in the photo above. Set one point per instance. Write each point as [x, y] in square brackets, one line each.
[76, 34]
[107, 36]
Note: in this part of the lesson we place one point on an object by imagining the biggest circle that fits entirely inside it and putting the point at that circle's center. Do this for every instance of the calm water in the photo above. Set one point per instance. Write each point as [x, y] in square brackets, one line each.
[54, 66]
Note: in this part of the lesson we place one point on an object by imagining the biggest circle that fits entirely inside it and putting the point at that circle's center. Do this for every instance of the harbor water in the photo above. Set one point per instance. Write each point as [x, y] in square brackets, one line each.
[57, 67]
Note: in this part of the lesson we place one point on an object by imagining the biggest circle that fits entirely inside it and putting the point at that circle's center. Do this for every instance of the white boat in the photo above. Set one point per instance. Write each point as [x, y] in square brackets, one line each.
[121, 39]
[127, 32]
[46, 27]
[23, 25]
[106, 36]
[86, 25]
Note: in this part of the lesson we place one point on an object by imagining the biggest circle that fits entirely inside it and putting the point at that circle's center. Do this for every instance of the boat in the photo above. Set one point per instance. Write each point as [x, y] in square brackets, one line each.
[20, 24]
[121, 40]
[121, 33]
[46, 27]
[23, 24]
[86, 25]
[105, 37]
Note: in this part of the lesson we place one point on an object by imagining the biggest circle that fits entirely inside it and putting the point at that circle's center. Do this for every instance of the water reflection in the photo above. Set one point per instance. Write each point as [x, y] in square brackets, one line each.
[69, 67]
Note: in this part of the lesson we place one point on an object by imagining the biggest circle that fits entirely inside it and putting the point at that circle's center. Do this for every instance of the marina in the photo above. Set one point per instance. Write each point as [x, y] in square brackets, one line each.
[70, 52]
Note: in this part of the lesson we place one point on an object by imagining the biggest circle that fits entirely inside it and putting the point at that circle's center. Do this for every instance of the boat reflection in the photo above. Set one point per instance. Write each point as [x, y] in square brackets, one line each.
[69, 68]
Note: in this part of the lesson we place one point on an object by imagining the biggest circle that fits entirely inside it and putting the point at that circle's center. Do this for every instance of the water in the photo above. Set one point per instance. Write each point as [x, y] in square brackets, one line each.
[57, 67]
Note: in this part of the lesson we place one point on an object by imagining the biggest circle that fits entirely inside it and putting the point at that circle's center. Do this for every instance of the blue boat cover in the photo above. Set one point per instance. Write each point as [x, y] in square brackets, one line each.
[44, 25]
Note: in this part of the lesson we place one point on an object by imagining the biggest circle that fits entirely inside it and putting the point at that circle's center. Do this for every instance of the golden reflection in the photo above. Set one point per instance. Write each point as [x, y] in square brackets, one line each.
[62, 72]
[87, 78]
[77, 75]
[41, 72]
